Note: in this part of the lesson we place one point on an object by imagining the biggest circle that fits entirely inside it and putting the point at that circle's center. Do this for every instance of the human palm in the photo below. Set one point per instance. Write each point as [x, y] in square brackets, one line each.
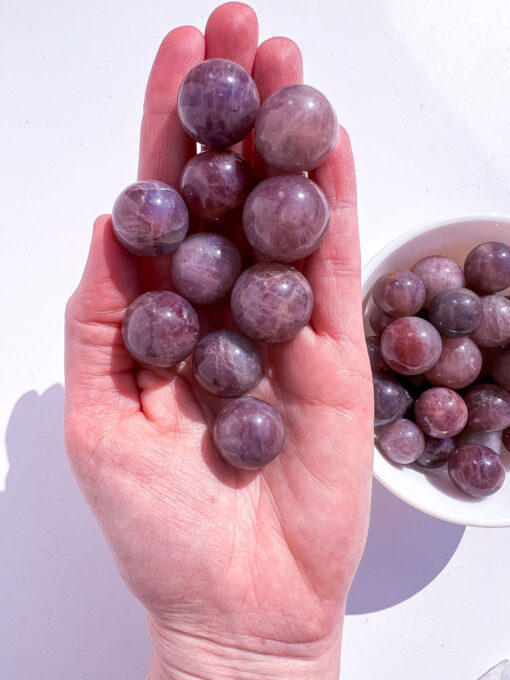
[258, 560]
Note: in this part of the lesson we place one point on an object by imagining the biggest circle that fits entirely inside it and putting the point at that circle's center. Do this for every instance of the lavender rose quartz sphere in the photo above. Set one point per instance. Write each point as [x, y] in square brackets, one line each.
[391, 400]
[402, 441]
[215, 184]
[226, 363]
[436, 452]
[458, 366]
[217, 103]
[488, 407]
[410, 345]
[271, 302]
[494, 331]
[476, 470]
[377, 363]
[456, 312]
[248, 433]
[487, 267]
[160, 328]
[437, 273]
[399, 293]
[295, 129]
[285, 218]
[440, 412]
[150, 218]
[205, 267]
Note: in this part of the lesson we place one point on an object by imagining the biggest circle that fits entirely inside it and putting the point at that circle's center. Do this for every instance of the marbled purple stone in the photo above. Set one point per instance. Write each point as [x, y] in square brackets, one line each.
[226, 363]
[411, 345]
[487, 267]
[438, 272]
[205, 267]
[150, 218]
[476, 470]
[492, 440]
[494, 331]
[440, 412]
[285, 218]
[459, 364]
[501, 371]
[160, 328]
[215, 184]
[217, 103]
[248, 433]
[456, 312]
[377, 363]
[378, 320]
[506, 439]
[402, 441]
[436, 452]
[488, 407]
[399, 293]
[271, 302]
[296, 129]
[391, 400]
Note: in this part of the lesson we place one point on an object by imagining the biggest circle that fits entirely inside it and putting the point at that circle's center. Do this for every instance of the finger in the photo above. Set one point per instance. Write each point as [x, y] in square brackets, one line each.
[278, 63]
[164, 146]
[334, 270]
[100, 386]
[232, 32]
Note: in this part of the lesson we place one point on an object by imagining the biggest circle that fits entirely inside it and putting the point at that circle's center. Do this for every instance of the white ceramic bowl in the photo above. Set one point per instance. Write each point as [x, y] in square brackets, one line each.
[431, 491]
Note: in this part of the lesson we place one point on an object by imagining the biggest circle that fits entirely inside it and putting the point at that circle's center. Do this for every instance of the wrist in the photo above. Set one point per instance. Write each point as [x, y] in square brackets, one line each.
[189, 656]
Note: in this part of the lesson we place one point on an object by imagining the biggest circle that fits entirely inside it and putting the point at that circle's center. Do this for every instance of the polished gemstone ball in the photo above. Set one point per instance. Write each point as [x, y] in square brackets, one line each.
[248, 433]
[436, 452]
[296, 129]
[440, 412]
[226, 363]
[410, 345]
[494, 331]
[150, 218]
[204, 267]
[476, 470]
[285, 218]
[217, 103]
[459, 364]
[399, 293]
[402, 441]
[487, 267]
[160, 328]
[215, 184]
[437, 273]
[271, 302]
[456, 312]
[489, 407]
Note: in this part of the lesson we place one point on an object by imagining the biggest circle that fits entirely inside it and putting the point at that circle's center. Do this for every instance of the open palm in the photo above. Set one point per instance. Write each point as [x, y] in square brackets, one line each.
[261, 561]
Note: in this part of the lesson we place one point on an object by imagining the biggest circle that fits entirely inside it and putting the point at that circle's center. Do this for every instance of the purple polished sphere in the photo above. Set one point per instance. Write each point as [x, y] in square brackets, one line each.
[459, 364]
[410, 345]
[248, 433]
[226, 363]
[402, 441]
[215, 184]
[487, 267]
[391, 400]
[285, 218]
[506, 439]
[440, 412]
[488, 407]
[295, 129]
[150, 218]
[436, 452]
[378, 320]
[492, 440]
[271, 302]
[438, 272]
[160, 328]
[377, 363]
[494, 331]
[456, 312]
[399, 293]
[501, 371]
[476, 470]
[217, 103]
[205, 267]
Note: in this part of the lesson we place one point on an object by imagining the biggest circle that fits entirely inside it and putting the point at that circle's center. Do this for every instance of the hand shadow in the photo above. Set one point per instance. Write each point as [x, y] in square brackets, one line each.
[406, 549]
[66, 614]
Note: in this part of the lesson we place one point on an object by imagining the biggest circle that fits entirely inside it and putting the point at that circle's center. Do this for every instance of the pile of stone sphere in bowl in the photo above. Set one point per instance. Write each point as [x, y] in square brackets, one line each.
[284, 219]
[440, 359]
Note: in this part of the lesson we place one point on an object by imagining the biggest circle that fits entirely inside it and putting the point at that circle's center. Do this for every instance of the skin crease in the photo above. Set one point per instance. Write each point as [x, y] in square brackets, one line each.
[243, 574]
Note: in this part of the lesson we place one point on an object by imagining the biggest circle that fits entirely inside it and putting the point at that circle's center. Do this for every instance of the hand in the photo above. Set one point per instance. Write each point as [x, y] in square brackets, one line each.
[242, 574]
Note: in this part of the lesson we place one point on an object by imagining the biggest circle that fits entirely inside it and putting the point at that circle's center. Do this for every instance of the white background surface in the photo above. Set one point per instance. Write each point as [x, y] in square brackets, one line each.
[424, 89]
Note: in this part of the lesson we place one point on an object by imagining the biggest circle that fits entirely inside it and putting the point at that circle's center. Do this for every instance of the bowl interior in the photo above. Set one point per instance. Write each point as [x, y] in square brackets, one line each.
[431, 491]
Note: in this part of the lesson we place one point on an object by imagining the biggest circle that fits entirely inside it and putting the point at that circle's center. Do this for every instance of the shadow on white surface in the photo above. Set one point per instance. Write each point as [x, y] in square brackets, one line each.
[64, 611]
[406, 549]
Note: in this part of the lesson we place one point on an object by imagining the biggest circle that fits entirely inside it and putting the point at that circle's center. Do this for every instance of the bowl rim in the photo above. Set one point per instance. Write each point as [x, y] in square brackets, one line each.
[367, 269]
